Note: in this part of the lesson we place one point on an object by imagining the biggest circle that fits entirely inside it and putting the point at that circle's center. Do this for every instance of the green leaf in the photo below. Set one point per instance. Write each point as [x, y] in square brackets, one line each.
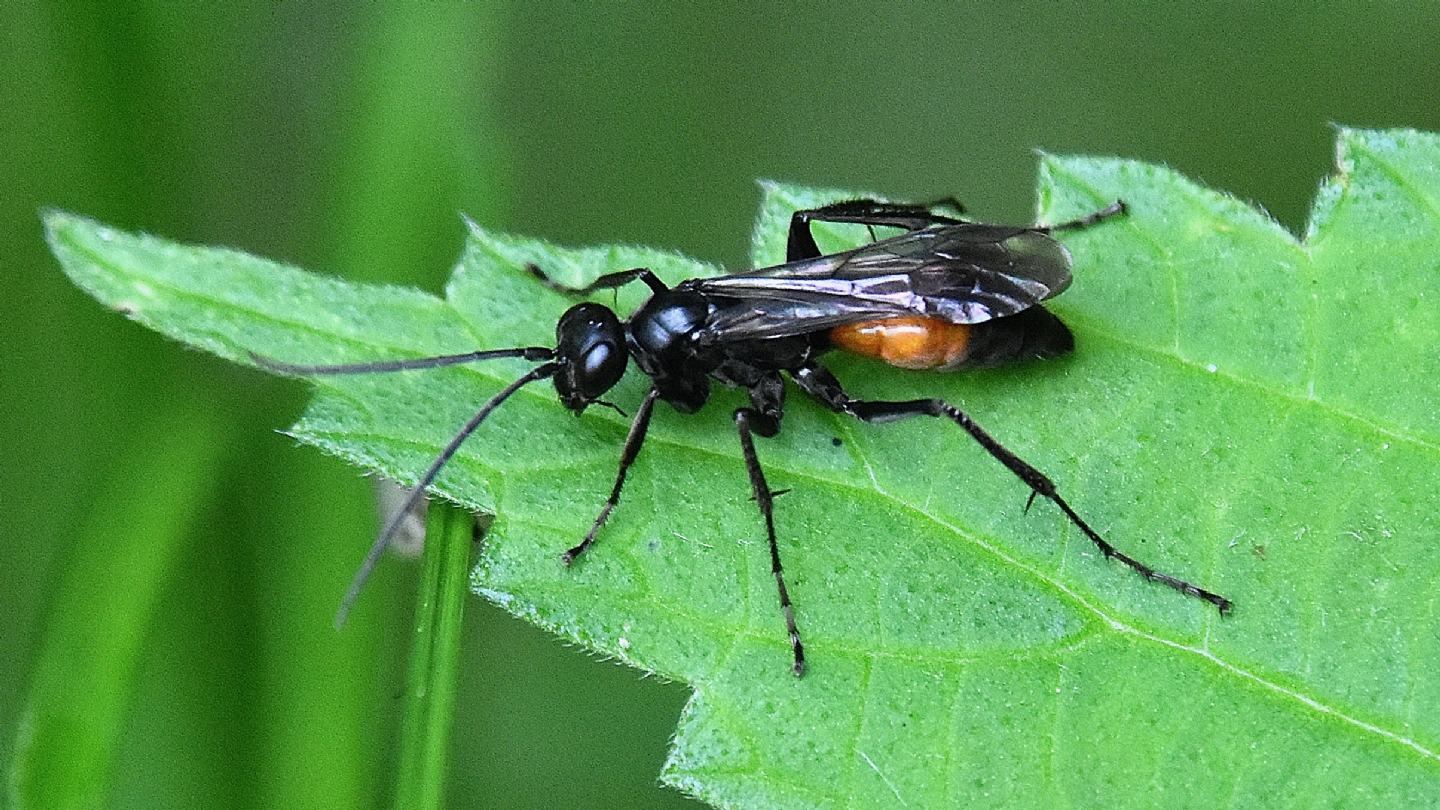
[1243, 409]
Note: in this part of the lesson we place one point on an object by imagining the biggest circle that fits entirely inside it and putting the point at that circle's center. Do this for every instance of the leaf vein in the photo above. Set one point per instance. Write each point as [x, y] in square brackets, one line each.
[1392, 431]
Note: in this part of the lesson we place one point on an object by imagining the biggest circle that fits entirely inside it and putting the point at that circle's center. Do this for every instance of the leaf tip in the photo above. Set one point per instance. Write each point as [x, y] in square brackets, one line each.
[1345, 139]
[50, 216]
[778, 192]
[476, 237]
[1047, 165]
[1083, 175]
[1062, 182]
[65, 230]
[470, 224]
[1349, 139]
[57, 220]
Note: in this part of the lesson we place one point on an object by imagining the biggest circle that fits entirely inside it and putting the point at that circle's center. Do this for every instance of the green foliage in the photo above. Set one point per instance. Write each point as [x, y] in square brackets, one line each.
[1244, 410]
[88, 669]
[435, 654]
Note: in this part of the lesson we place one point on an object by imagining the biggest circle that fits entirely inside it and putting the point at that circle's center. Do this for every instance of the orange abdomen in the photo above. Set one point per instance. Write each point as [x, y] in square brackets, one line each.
[910, 342]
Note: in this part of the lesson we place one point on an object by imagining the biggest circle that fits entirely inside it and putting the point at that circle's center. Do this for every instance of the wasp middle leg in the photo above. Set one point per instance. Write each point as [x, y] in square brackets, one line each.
[763, 417]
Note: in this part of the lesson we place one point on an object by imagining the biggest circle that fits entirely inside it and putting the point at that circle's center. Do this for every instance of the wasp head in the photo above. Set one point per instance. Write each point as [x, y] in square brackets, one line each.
[590, 347]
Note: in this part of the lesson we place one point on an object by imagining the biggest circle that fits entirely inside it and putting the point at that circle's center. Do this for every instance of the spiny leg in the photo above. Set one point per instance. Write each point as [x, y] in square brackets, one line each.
[609, 281]
[633, 442]
[801, 242]
[764, 419]
[821, 384]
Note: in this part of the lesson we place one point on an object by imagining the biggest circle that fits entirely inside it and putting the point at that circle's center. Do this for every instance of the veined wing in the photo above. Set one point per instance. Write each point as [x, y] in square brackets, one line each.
[965, 273]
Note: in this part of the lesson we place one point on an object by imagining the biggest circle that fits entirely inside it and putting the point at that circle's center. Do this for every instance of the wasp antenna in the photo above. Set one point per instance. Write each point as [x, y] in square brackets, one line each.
[526, 352]
[377, 549]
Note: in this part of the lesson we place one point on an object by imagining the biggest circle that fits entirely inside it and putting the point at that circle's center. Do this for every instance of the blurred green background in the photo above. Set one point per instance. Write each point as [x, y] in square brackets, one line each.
[347, 139]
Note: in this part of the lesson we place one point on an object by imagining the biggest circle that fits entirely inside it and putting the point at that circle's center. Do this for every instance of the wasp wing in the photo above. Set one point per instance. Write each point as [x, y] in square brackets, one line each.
[965, 273]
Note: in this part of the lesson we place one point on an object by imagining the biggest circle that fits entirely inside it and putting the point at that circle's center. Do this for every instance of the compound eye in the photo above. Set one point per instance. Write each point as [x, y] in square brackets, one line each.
[596, 359]
[600, 368]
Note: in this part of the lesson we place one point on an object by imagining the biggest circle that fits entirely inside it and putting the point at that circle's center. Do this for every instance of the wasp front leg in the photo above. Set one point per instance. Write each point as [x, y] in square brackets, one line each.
[633, 442]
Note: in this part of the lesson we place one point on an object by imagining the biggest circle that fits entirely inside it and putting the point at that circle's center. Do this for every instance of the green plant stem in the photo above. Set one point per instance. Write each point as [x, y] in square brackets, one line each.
[434, 656]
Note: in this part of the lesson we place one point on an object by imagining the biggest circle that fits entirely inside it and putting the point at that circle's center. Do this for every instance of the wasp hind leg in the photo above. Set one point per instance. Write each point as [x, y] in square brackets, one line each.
[819, 383]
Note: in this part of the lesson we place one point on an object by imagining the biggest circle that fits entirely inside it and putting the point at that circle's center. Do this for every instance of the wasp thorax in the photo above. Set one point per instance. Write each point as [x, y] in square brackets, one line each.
[590, 345]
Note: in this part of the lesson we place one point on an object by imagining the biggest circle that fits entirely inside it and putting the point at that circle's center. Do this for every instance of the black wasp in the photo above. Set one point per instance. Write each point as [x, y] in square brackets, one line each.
[947, 294]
